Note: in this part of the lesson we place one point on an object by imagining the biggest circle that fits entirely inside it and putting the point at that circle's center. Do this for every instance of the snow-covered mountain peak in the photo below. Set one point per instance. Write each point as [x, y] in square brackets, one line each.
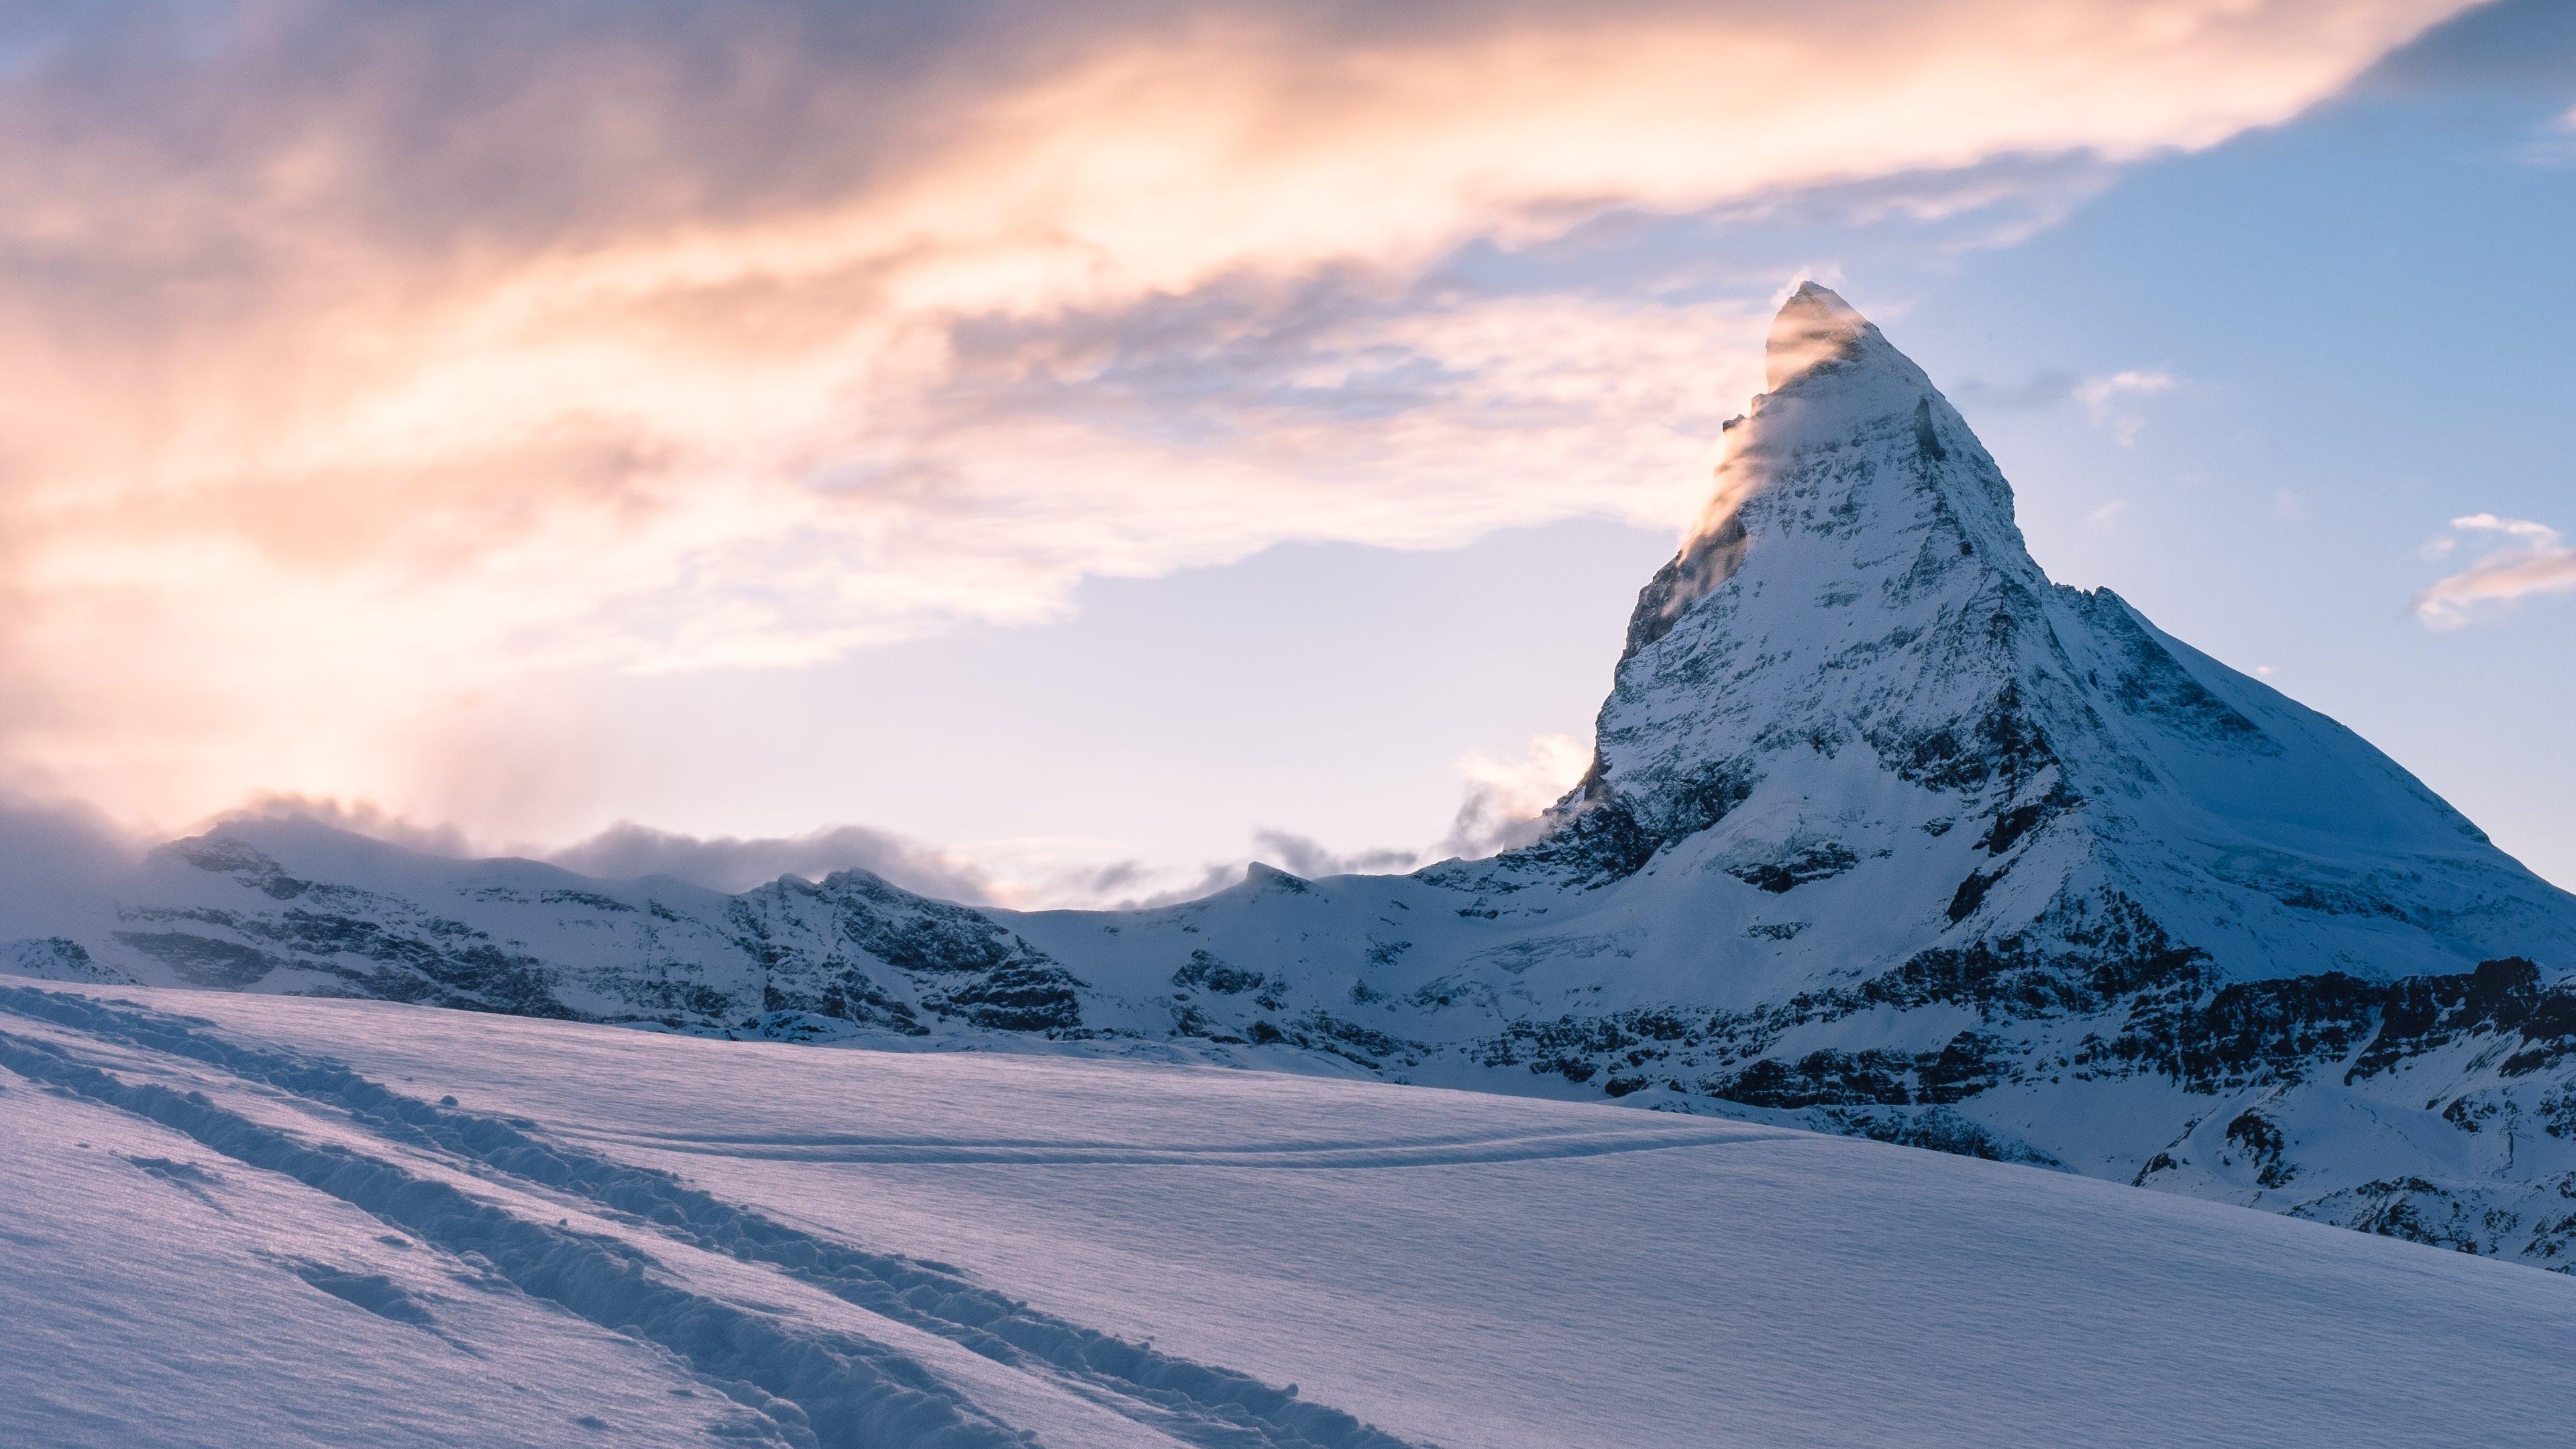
[1857, 579]
[1853, 671]
[1853, 457]
[1817, 328]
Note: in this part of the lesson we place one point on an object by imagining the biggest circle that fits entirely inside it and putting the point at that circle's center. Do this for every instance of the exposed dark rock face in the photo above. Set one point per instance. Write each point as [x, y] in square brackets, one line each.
[792, 959]
[2258, 1032]
[372, 945]
[1206, 973]
[1607, 835]
[1709, 560]
[1807, 863]
[202, 960]
[1939, 1129]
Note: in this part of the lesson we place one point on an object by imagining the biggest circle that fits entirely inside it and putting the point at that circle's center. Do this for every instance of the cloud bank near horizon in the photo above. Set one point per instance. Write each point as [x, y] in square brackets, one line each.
[361, 362]
[1500, 807]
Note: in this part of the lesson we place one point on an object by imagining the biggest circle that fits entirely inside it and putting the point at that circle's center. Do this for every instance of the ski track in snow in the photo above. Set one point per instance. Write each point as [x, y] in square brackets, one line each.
[1519, 1147]
[817, 1387]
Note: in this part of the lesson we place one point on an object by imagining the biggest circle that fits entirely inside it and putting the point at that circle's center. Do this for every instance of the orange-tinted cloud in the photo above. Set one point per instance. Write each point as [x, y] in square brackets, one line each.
[358, 361]
[2535, 559]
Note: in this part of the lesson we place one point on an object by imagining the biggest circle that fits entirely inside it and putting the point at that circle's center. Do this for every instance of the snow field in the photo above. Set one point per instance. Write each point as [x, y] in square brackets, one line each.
[862, 1247]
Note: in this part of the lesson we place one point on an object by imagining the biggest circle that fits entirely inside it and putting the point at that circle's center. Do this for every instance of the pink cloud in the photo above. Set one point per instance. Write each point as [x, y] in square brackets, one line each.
[360, 364]
[2537, 560]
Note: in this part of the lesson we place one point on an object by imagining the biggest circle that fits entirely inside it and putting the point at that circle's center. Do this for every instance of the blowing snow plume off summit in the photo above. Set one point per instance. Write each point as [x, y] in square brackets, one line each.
[1884, 833]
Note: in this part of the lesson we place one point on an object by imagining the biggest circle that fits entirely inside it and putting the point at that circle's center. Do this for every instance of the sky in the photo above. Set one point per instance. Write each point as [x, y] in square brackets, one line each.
[1055, 453]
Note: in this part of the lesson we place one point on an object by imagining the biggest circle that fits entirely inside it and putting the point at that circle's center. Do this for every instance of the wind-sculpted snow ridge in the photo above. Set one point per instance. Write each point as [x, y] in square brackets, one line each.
[1884, 833]
[841, 1389]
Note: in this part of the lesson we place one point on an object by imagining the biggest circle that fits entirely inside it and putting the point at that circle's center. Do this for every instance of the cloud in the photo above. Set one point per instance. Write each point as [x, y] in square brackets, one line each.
[2522, 528]
[357, 817]
[1503, 807]
[1500, 808]
[2044, 389]
[59, 862]
[2554, 145]
[2096, 393]
[358, 362]
[724, 863]
[1507, 798]
[2535, 560]
[2099, 395]
[627, 850]
[1299, 855]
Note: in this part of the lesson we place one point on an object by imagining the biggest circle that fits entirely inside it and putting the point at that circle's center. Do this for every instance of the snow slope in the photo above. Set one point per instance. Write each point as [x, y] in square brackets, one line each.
[1885, 834]
[236, 1220]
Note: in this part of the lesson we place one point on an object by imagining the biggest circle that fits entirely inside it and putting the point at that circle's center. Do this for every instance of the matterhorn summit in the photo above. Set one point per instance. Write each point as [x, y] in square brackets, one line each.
[1884, 833]
[1854, 668]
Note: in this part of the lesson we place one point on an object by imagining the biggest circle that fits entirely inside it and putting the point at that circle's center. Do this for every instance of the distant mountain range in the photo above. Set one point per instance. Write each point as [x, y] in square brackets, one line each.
[1884, 834]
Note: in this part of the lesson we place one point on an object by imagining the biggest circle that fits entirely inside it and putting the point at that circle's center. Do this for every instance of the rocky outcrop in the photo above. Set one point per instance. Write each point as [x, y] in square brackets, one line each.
[793, 959]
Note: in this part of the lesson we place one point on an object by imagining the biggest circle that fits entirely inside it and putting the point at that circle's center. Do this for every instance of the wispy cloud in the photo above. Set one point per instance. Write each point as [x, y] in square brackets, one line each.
[2534, 559]
[2101, 397]
[2555, 145]
[2046, 389]
[2105, 397]
[1501, 803]
[2098, 393]
[727, 863]
[1502, 808]
[1507, 797]
[57, 860]
[357, 361]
